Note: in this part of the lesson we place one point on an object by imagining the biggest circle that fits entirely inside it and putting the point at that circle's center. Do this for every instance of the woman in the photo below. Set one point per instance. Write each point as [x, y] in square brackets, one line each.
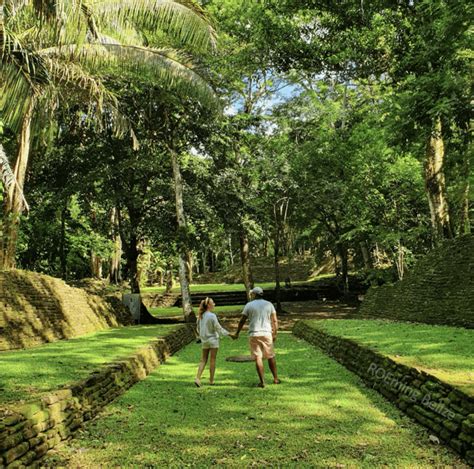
[209, 331]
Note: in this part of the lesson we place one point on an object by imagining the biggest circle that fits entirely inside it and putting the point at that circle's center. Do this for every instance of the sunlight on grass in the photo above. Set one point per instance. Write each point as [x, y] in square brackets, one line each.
[443, 351]
[177, 311]
[24, 374]
[320, 416]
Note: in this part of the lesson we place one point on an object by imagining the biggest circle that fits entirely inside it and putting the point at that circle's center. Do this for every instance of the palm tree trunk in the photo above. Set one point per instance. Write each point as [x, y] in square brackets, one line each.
[189, 315]
[435, 184]
[245, 258]
[14, 199]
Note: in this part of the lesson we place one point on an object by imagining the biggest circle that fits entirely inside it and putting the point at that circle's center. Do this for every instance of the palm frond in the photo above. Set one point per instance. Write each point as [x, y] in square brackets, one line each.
[27, 61]
[8, 177]
[167, 67]
[183, 19]
[72, 77]
[15, 93]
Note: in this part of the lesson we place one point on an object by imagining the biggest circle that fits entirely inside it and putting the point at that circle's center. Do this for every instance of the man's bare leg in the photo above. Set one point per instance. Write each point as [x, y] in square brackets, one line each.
[273, 368]
[260, 371]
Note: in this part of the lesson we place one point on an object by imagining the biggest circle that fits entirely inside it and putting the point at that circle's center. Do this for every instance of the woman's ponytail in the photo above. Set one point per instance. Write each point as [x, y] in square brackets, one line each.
[203, 307]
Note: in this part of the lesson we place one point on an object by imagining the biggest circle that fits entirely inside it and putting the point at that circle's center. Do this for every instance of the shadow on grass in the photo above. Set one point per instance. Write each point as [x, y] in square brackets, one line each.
[25, 373]
[444, 351]
[319, 416]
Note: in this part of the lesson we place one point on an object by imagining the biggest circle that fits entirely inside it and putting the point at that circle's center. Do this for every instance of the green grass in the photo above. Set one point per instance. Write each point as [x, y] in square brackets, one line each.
[229, 287]
[442, 351]
[210, 287]
[25, 374]
[177, 311]
[320, 416]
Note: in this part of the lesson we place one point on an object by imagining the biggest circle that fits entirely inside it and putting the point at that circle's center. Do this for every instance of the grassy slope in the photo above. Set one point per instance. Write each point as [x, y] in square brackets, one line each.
[443, 351]
[320, 416]
[26, 373]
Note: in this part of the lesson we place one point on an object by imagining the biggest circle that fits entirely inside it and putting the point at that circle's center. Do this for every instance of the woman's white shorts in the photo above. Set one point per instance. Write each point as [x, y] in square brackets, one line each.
[214, 343]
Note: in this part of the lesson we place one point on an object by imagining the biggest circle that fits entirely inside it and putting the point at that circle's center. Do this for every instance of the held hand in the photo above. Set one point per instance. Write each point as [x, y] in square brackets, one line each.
[274, 338]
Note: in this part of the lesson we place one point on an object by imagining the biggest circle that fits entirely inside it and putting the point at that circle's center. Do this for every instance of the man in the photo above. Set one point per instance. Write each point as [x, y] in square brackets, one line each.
[263, 327]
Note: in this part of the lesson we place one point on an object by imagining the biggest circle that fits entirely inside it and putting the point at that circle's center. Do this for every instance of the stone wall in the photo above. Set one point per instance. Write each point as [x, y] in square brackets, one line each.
[36, 308]
[29, 431]
[447, 412]
[439, 290]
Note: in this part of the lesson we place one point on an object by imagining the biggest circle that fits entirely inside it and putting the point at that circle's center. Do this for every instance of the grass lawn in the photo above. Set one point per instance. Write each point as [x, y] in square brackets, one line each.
[177, 311]
[442, 351]
[320, 416]
[25, 374]
[210, 287]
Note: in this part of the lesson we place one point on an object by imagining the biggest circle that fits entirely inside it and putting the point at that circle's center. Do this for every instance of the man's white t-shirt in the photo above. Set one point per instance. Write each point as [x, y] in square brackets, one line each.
[259, 313]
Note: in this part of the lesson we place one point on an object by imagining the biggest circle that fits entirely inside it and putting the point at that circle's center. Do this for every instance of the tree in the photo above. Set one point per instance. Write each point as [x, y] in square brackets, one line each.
[421, 49]
[245, 76]
[58, 35]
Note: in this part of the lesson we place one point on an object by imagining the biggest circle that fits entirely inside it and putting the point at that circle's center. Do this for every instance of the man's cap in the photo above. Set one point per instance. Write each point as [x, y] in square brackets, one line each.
[257, 291]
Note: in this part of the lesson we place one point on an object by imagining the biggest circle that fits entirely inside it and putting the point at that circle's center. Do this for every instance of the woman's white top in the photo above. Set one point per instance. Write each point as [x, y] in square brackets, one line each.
[209, 329]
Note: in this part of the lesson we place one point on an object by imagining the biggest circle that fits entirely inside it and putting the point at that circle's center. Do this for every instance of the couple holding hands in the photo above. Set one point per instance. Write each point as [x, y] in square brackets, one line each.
[263, 326]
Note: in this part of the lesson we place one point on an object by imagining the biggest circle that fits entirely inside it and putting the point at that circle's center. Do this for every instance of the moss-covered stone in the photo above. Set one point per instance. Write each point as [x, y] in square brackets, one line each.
[33, 301]
[445, 416]
[54, 419]
[439, 290]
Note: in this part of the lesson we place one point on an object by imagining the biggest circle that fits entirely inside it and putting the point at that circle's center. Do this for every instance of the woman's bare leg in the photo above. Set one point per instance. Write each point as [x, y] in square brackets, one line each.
[202, 365]
[212, 365]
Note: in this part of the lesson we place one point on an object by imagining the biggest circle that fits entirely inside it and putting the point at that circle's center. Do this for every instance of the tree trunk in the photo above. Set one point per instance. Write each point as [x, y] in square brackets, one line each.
[189, 315]
[95, 260]
[245, 258]
[189, 265]
[344, 267]
[96, 265]
[231, 254]
[14, 198]
[435, 184]
[132, 254]
[464, 222]
[62, 244]
[169, 277]
[116, 256]
[365, 255]
[277, 269]
[400, 260]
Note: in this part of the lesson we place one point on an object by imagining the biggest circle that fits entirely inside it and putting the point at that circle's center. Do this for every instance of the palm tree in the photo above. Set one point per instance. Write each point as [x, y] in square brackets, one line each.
[49, 48]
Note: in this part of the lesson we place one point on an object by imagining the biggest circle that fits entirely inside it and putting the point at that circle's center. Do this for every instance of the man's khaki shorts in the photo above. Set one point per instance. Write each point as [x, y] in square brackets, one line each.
[261, 347]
